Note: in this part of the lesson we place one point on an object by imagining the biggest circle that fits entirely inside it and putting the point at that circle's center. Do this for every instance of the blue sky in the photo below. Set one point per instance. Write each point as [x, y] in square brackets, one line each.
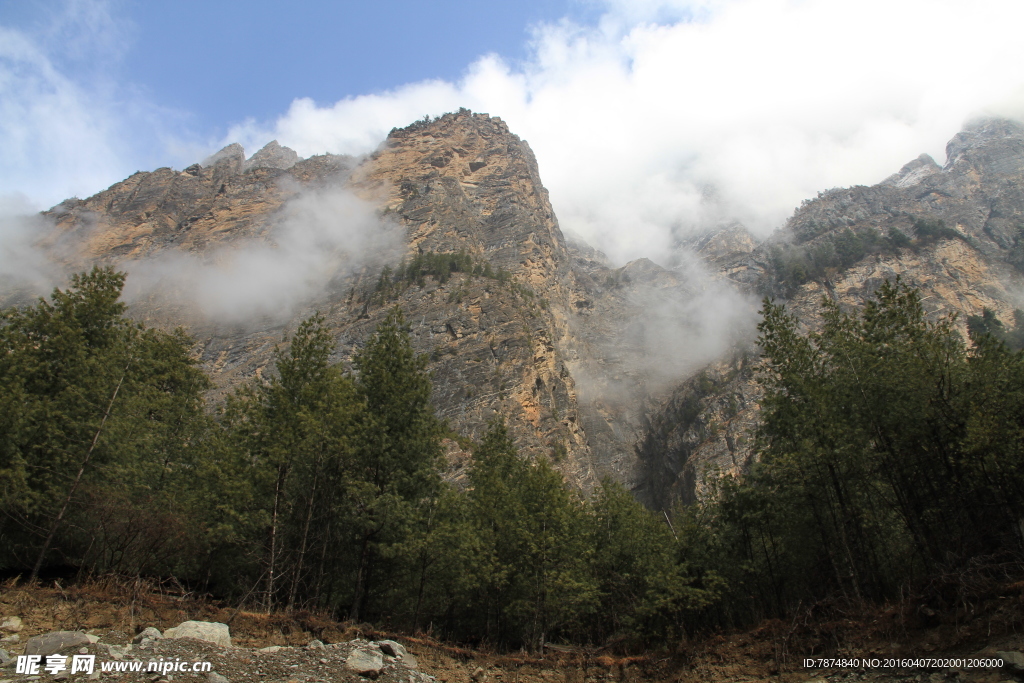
[218, 63]
[635, 108]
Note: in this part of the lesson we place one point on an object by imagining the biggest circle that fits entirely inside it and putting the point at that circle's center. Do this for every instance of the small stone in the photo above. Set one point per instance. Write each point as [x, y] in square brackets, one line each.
[214, 677]
[208, 631]
[316, 645]
[83, 650]
[150, 633]
[92, 639]
[478, 674]
[391, 647]
[1012, 658]
[10, 639]
[52, 643]
[115, 652]
[396, 649]
[11, 624]
[270, 649]
[95, 675]
[323, 661]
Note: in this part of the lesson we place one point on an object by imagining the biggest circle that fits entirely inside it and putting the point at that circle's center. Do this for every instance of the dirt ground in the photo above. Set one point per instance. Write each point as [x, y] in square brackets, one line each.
[115, 610]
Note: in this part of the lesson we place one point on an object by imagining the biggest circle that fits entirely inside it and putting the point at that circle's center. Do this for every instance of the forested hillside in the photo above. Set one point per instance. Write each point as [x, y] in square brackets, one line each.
[891, 452]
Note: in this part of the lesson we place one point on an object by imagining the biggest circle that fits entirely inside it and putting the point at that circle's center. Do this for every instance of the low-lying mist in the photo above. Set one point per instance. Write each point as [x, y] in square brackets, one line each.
[673, 324]
[320, 236]
[26, 270]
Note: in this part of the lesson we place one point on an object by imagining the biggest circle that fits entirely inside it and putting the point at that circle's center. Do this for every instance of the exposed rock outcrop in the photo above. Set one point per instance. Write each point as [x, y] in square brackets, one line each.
[272, 155]
[639, 372]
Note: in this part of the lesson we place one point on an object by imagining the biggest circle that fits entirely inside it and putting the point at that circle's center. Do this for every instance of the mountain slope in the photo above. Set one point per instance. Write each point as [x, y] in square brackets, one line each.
[642, 373]
[956, 232]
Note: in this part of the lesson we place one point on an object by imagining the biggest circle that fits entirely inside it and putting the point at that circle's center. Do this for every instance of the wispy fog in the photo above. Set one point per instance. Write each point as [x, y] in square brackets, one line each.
[681, 334]
[673, 325]
[24, 267]
[319, 237]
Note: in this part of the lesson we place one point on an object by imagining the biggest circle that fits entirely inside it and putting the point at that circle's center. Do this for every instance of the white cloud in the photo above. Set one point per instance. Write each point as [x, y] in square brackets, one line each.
[56, 137]
[766, 101]
[633, 119]
[68, 127]
[23, 267]
[318, 235]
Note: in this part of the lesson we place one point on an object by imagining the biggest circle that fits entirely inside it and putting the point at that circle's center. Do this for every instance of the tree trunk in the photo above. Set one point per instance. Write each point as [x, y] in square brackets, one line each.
[305, 536]
[268, 600]
[357, 598]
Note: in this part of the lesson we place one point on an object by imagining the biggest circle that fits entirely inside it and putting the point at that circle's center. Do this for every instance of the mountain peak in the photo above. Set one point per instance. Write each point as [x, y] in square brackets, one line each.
[981, 132]
[273, 155]
[233, 154]
[913, 172]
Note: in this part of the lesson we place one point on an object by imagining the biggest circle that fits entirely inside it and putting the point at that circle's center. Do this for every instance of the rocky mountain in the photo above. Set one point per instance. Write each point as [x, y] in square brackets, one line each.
[955, 231]
[641, 372]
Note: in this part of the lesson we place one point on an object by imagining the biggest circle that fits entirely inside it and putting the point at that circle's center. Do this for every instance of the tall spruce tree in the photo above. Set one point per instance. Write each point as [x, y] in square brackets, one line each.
[395, 465]
[534, 582]
[888, 453]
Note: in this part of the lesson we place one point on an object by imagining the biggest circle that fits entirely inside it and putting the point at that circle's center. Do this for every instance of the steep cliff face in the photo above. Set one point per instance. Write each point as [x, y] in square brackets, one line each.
[956, 232]
[462, 184]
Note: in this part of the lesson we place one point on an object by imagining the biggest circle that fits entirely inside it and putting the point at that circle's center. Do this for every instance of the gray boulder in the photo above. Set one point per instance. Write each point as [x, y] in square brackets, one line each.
[209, 631]
[365, 662]
[149, 633]
[117, 652]
[52, 643]
[396, 649]
[11, 624]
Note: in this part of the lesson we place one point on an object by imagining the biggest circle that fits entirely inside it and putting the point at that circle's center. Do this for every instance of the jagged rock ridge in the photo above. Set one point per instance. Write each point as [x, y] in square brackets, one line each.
[570, 350]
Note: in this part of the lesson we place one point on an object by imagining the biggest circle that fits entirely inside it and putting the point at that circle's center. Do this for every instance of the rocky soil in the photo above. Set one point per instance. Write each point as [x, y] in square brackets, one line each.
[123, 621]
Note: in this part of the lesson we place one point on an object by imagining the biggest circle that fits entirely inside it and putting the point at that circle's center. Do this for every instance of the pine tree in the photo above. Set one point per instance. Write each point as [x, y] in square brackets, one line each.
[888, 451]
[96, 411]
[298, 430]
[535, 582]
[395, 465]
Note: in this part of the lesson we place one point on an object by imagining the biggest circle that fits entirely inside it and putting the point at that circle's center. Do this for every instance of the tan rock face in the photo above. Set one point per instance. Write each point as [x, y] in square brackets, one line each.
[459, 183]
